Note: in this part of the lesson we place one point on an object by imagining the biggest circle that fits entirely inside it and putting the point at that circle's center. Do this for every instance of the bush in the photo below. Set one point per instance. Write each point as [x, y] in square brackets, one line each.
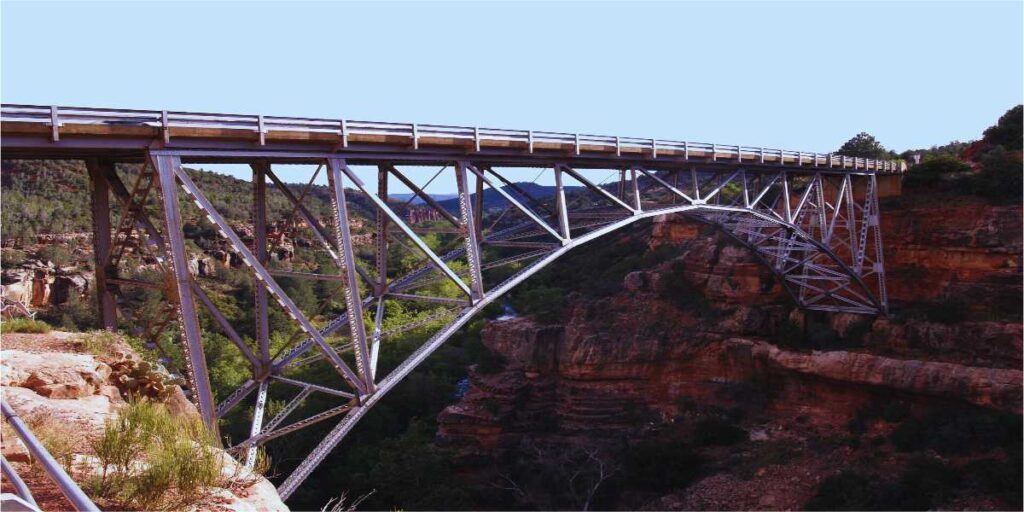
[58, 254]
[932, 169]
[24, 325]
[661, 466]
[152, 460]
[848, 490]
[1000, 176]
[716, 431]
[678, 290]
[925, 484]
[58, 439]
[998, 477]
[1008, 131]
[950, 310]
[959, 431]
[542, 302]
[12, 257]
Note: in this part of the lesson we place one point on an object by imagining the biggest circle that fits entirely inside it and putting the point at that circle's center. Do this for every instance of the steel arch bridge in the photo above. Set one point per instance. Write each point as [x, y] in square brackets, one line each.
[812, 218]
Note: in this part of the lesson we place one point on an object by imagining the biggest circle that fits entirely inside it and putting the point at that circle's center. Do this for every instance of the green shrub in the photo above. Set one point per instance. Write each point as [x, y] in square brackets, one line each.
[950, 310]
[717, 431]
[152, 460]
[58, 254]
[789, 334]
[544, 303]
[58, 439]
[1007, 132]
[959, 431]
[848, 490]
[490, 362]
[999, 477]
[11, 257]
[661, 466]
[678, 290]
[1001, 176]
[933, 169]
[925, 484]
[25, 325]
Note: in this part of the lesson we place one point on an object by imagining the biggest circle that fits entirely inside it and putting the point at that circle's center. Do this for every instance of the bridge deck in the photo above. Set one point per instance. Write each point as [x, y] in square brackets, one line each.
[40, 131]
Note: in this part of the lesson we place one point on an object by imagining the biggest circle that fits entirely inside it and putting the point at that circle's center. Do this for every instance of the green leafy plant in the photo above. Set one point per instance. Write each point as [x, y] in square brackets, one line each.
[25, 325]
[933, 169]
[152, 460]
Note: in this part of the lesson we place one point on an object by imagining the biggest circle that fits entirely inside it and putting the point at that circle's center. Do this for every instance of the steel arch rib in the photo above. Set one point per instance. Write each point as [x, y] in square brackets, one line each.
[391, 380]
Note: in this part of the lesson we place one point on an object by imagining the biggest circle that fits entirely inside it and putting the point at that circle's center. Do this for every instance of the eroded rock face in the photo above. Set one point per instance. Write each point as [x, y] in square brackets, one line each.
[54, 375]
[621, 362]
[970, 250]
[39, 284]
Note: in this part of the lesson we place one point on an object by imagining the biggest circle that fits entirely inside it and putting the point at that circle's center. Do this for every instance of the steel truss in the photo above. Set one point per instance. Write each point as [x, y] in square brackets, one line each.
[817, 229]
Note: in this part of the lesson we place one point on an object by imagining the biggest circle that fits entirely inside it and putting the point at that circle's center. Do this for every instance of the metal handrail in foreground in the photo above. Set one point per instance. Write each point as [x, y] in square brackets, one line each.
[67, 486]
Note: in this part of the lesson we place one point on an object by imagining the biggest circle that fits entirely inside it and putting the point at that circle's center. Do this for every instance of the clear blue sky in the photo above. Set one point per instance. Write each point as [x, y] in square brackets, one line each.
[801, 76]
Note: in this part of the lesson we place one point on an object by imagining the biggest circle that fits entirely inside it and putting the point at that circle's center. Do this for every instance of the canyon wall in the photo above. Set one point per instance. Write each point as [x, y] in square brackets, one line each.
[642, 359]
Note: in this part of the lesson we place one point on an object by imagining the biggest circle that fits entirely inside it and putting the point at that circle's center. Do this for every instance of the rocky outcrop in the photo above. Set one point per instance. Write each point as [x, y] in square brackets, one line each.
[39, 284]
[75, 390]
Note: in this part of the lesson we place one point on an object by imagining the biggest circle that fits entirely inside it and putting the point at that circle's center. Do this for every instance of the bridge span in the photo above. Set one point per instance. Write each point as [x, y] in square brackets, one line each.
[811, 218]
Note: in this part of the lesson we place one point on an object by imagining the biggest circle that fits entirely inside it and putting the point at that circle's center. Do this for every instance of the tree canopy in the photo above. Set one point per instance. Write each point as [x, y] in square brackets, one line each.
[864, 145]
[1008, 132]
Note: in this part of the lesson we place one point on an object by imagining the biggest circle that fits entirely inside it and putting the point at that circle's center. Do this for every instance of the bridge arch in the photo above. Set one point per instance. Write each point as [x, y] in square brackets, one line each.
[813, 219]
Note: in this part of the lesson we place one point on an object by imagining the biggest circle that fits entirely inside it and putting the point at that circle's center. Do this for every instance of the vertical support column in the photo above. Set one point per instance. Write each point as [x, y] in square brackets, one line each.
[259, 224]
[478, 208]
[382, 233]
[563, 213]
[819, 198]
[469, 220]
[257, 423]
[199, 377]
[382, 268]
[621, 193]
[879, 268]
[354, 305]
[100, 193]
[786, 208]
[746, 190]
[696, 185]
[636, 188]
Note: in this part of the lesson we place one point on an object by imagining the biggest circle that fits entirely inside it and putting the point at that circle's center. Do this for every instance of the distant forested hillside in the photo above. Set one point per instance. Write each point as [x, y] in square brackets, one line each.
[52, 197]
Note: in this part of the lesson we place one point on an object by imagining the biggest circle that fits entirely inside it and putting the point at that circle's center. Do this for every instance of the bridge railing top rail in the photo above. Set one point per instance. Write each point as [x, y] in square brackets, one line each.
[56, 116]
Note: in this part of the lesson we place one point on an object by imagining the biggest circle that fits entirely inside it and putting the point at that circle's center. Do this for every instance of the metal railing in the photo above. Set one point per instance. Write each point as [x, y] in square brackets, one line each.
[164, 120]
[53, 469]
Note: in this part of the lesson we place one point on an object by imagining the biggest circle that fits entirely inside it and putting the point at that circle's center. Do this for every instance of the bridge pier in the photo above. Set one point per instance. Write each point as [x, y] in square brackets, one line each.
[100, 194]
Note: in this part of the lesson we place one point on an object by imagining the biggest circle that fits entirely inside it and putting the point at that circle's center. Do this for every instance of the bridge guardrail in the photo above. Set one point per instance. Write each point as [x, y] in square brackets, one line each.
[67, 486]
[164, 120]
